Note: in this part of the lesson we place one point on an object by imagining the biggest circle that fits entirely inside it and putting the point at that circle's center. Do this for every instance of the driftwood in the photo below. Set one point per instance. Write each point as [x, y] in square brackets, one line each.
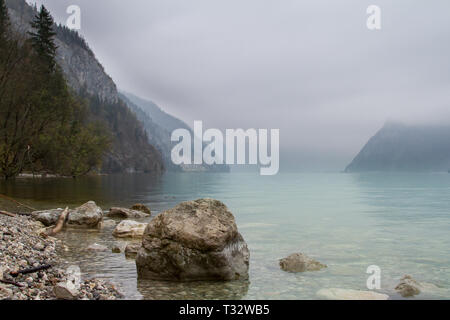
[11, 282]
[17, 202]
[30, 270]
[6, 213]
[60, 223]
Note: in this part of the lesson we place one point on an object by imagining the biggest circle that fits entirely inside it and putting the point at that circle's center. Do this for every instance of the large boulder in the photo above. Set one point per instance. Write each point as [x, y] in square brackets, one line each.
[129, 229]
[86, 215]
[141, 207]
[89, 215]
[196, 240]
[116, 212]
[299, 262]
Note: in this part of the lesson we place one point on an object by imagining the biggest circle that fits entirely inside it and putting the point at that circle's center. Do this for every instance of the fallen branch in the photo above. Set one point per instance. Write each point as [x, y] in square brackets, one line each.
[17, 202]
[60, 223]
[6, 213]
[11, 282]
[30, 270]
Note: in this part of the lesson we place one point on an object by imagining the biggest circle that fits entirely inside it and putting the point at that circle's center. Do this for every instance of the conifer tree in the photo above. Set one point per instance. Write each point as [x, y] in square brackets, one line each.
[43, 39]
[4, 20]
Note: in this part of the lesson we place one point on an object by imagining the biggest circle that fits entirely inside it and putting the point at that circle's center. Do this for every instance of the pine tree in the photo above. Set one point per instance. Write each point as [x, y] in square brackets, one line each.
[4, 20]
[43, 39]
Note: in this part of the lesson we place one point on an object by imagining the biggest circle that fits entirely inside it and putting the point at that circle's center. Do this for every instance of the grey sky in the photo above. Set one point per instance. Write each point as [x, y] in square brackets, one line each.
[310, 68]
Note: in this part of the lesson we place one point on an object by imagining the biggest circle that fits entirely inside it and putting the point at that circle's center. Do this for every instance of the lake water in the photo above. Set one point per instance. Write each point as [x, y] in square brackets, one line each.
[399, 222]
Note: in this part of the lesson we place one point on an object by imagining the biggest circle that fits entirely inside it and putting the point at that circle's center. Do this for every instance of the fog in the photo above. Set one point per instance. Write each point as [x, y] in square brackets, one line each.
[309, 68]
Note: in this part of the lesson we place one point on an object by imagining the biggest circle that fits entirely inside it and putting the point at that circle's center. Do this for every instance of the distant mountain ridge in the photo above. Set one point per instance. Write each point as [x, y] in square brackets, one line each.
[399, 147]
[131, 151]
[159, 126]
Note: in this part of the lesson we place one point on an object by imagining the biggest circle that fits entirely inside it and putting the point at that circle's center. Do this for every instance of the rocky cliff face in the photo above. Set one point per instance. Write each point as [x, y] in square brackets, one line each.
[131, 151]
[159, 126]
[398, 147]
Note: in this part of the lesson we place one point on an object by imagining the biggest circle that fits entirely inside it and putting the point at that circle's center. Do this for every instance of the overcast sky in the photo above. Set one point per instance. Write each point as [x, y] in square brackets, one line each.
[310, 68]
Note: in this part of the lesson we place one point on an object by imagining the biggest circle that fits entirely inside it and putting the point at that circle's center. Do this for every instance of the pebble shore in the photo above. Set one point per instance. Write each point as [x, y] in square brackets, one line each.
[21, 248]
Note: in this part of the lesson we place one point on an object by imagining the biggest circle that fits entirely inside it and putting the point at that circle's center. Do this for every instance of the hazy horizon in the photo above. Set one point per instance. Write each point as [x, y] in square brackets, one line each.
[311, 69]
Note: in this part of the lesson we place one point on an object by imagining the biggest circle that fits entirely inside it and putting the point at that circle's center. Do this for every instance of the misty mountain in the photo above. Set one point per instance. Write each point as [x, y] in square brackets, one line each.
[398, 147]
[159, 126]
[130, 150]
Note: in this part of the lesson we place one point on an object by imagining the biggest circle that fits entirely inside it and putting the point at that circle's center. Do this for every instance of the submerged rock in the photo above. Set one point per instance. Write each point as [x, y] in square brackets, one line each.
[87, 215]
[125, 213]
[141, 207]
[107, 223]
[408, 287]
[348, 294]
[97, 247]
[116, 249]
[299, 262]
[132, 249]
[129, 229]
[195, 240]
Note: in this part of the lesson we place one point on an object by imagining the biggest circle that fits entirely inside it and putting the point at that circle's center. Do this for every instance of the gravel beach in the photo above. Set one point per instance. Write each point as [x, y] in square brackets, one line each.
[22, 250]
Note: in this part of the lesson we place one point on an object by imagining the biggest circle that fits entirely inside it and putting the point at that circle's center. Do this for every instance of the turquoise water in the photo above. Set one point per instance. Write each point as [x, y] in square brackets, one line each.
[399, 222]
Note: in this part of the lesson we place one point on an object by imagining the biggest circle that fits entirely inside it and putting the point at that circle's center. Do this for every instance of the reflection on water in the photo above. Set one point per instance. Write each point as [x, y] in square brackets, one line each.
[399, 222]
[163, 290]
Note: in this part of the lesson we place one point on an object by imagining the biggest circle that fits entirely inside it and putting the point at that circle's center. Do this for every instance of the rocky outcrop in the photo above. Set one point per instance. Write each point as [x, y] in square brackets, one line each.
[408, 287]
[129, 229]
[86, 215]
[141, 207]
[125, 213]
[299, 262]
[348, 294]
[196, 240]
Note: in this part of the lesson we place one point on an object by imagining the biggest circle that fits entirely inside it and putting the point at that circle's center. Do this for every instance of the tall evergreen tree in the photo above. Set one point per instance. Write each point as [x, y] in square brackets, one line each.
[4, 20]
[43, 39]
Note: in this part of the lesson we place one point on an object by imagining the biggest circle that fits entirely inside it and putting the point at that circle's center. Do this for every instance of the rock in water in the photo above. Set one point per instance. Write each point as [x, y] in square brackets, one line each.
[348, 294]
[196, 240]
[125, 213]
[47, 217]
[97, 247]
[132, 249]
[141, 207]
[299, 262]
[408, 287]
[64, 291]
[89, 215]
[129, 229]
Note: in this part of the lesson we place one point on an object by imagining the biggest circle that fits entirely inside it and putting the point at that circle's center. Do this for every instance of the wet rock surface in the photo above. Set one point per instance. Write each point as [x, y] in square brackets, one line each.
[22, 248]
[87, 215]
[195, 240]
[124, 213]
[141, 207]
[408, 287]
[129, 229]
[299, 262]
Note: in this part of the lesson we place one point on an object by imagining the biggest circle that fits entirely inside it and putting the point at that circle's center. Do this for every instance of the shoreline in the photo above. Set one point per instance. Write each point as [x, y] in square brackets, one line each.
[22, 250]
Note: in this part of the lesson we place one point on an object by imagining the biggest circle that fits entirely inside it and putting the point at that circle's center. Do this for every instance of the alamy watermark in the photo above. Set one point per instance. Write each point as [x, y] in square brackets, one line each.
[213, 147]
